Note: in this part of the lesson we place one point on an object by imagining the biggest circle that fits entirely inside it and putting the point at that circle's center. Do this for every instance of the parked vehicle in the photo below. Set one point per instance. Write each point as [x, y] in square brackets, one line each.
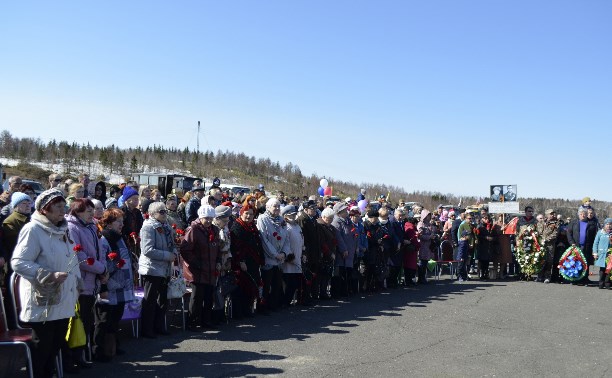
[36, 185]
[165, 182]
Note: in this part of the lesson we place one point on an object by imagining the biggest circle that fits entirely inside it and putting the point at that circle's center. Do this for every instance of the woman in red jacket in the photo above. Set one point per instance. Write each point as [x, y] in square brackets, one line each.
[201, 266]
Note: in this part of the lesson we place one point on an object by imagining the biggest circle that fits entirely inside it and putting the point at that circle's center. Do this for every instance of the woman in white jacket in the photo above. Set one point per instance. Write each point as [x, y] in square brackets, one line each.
[45, 258]
[292, 267]
[273, 232]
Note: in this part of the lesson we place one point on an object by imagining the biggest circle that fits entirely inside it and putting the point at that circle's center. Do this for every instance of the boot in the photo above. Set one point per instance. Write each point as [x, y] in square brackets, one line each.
[602, 278]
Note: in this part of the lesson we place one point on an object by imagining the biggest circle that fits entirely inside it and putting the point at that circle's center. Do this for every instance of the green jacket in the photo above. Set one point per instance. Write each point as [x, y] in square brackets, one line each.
[10, 229]
[466, 227]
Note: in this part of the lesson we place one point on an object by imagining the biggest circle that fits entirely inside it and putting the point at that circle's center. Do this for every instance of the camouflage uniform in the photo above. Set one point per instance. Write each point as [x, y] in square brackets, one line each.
[549, 230]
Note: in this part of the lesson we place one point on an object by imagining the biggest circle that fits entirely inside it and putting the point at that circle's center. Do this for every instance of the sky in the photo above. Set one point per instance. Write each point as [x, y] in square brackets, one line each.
[444, 96]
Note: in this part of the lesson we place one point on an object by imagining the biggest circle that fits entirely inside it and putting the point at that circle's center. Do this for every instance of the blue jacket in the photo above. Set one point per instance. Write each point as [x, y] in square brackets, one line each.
[600, 247]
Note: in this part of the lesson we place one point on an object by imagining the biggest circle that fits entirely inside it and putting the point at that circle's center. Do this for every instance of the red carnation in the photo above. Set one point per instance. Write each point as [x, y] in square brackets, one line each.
[180, 232]
[113, 255]
[278, 238]
[120, 263]
[146, 216]
[369, 234]
[90, 261]
[353, 229]
[274, 234]
[174, 225]
[77, 248]
[386, 237]
[134, 235]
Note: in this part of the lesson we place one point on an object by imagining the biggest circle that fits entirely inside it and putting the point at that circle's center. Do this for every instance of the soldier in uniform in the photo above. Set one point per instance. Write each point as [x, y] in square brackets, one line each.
[549, 229]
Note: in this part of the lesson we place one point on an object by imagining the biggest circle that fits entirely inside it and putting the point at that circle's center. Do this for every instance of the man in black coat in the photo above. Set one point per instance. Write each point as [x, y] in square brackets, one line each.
[581, 233]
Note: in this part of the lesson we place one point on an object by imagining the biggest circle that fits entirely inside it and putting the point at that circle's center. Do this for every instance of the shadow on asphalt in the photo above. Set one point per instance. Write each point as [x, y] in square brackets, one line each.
[167, 356]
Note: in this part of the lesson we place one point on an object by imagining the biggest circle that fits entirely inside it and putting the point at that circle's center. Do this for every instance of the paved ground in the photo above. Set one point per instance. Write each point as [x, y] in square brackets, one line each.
[497, 328]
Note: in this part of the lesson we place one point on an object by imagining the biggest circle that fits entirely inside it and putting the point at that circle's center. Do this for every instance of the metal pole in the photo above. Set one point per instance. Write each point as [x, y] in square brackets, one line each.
[198, 138]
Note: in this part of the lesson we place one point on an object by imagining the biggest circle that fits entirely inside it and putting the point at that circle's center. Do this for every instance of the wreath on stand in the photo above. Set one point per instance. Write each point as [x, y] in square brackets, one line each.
[572, 264]
[529, 253]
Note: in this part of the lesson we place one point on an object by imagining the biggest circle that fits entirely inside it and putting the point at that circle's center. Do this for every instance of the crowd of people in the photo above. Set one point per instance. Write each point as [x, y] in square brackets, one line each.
[261, 253]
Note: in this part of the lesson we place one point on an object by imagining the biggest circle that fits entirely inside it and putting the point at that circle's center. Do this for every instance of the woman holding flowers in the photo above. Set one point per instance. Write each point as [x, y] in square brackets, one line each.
[119, 287]
[84, 232]
[600, 252]
[45, 260]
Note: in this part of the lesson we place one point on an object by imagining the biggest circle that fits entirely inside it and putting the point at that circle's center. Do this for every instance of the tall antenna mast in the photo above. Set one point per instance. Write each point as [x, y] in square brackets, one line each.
[198, 138]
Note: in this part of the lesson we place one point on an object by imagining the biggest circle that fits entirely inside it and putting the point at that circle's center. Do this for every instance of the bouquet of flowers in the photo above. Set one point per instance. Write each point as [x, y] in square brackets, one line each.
[529, 253]
[573, 265]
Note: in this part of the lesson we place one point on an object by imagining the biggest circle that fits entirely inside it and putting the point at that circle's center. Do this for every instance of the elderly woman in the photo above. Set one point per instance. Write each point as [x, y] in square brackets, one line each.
[347, 247]
[174, 218]
[292, 267]
[44, 257]
[98, 209]
[200, 249]
[93, 263]
[247, 257]
[600, 252]
[157, 253]
[273, 232]
[119, 288]
[328, 241]
[426, 232]
[397, 253]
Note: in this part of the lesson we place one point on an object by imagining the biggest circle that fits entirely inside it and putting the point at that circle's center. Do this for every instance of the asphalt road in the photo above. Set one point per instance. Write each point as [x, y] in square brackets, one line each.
[444, 329]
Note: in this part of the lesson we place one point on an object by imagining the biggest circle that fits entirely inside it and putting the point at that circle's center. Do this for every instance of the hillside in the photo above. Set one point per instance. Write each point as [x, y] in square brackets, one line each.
[31, 158]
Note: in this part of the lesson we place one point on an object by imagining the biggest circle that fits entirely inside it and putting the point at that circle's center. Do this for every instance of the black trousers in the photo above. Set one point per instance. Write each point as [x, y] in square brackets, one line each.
[273, 287]
[86, 310]
[47, 340]
[107, 319]
[201, 304]
[154, 304]
[292, 284]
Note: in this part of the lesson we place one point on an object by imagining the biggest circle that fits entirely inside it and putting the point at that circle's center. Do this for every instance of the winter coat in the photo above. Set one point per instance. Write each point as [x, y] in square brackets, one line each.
[397, 256]
[120, 285]
[573, 237]
[374, 234]
[157, 249]
[411, 250]
[296, 244]
[426, 234]
[311, 237]
[132, 223]
[191, 209]
[600, 247]
[86, 235]
[273, 233]
[42, 249]
[487, 249]
[328, 239]
[347, 241]
[246, 247]
[200, 250]
[10, 234]
[362, 239]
